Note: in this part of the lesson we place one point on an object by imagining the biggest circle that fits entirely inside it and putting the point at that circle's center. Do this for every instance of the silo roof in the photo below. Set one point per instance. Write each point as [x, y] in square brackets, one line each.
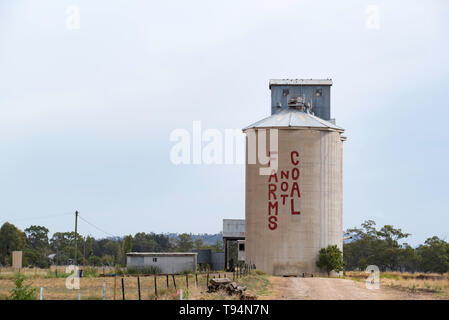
[294, 118]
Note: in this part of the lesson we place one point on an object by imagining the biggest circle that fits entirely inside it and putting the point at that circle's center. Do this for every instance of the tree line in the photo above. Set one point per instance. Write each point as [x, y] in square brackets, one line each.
[385, 248]
[41, 251]
[368, 245]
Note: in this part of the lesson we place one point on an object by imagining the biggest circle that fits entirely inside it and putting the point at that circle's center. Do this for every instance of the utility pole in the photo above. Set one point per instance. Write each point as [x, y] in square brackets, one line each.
[76, 230]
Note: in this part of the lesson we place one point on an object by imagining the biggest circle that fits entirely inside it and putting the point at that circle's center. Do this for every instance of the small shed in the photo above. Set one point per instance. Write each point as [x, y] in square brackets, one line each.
[167, 262]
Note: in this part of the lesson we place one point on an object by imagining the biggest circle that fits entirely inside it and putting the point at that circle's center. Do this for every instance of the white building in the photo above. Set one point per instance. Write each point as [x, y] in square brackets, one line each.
[167, 262]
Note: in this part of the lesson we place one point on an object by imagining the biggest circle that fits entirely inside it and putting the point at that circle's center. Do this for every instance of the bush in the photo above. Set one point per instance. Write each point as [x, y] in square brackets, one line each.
[186, 272]
[90, 272]
[95, 261]
[330, 258]
[21, 291]
[56, 274]
[144, 270]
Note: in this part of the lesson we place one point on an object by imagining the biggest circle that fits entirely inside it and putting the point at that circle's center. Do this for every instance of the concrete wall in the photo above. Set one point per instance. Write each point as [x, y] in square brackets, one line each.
[233, 228]
[167, 264]
[288, 244]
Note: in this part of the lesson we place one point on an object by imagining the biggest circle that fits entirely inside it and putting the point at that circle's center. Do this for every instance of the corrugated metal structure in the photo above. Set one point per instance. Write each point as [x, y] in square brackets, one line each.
[215, 260]
[168, 262]
[315, 91]
[297, 209]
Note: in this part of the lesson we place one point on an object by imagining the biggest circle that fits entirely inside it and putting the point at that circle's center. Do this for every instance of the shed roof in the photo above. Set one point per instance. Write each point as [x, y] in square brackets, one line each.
[294, 118]
[161, 254]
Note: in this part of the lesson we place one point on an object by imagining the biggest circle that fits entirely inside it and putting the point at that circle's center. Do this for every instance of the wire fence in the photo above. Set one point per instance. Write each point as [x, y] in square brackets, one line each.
[107, 286]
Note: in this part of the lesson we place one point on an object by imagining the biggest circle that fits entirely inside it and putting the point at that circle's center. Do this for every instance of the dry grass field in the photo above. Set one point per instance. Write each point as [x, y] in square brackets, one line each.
[434, 283]
[396, 285]
[91, 287]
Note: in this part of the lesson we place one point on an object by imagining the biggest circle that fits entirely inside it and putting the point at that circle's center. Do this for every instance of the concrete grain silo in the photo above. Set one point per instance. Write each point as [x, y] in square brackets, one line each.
[295, 209]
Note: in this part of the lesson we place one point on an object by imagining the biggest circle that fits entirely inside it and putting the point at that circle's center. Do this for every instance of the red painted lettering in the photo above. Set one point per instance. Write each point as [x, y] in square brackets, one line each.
[274, 206]
[284, 174]
[284, 186]
[293, 207]
[295, 187]
[272, 222]
[273, 175]
[296, 153]
[271, 190]
[295, 173]
[283, 198]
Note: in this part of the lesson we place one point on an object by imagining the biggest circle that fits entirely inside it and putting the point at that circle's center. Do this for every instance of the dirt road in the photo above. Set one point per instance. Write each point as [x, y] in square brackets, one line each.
[292, 288]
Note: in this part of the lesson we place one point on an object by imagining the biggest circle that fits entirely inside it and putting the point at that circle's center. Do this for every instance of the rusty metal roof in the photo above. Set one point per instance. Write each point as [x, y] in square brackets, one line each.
[300, 82]
[294, 118]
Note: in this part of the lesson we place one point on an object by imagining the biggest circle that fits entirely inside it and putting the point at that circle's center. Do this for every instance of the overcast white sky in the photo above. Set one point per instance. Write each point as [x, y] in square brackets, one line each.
[85, 114]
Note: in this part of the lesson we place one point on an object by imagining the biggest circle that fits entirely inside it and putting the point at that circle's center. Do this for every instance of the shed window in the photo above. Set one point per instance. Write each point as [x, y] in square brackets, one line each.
[241, 247]
[154, 259]
[285, 92]
[318, 93]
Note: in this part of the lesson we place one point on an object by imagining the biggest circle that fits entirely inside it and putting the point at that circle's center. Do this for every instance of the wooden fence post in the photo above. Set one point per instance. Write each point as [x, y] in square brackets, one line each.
[167, 281]
[155, 286]
[138, 286]
[174, 282]
[123, 288]
[187, 280]
[115, 286]
[196, 279]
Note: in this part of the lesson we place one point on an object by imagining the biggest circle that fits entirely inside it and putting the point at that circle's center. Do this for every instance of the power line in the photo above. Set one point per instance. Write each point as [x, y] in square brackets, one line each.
[98, 228]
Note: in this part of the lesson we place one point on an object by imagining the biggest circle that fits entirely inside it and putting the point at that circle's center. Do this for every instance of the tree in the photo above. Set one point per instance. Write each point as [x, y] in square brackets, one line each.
[330, 258]
[127, 246]
[89, 244]
[198, 243]
[37, 247]
[434, 255]
[184, 242]
[37, 238]
[370, 246]
[95, 261]
[11, 239]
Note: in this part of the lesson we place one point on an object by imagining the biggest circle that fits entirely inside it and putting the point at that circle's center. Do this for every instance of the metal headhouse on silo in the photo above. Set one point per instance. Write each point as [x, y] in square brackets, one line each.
[293, 179]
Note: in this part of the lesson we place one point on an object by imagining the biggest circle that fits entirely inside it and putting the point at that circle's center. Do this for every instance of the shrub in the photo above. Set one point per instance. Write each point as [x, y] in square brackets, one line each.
[21, 291]
[144, 270]
[90, 272]
[330, 258]
[184, 272]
